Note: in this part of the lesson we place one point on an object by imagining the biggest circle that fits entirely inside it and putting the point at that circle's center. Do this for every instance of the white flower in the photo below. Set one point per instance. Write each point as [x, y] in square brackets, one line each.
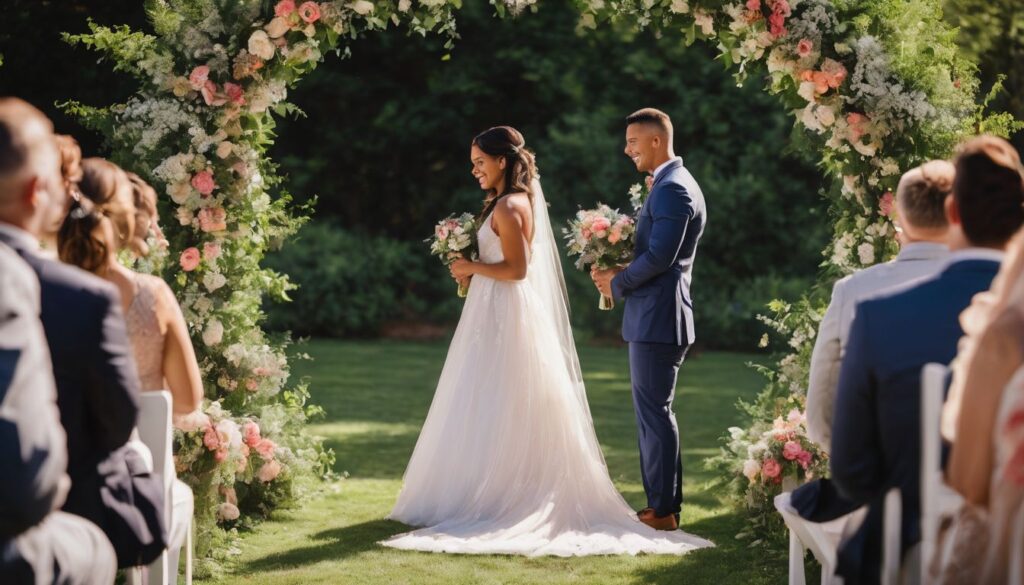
[404, 5]
[261, 45]
[224, 149]
[203, 305]
[185, 216]
[888, 167]
[704, 21]
[214, 280]
[826, 115]
[179, 192]
[806, 90]
[807, 118]
[751, 468]
[214, 332]
[680, 6]
[277, 27]
[361, 7]
[866, 252]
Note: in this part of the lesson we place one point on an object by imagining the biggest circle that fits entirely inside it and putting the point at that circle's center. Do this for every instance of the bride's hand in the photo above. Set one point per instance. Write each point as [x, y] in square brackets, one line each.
[461, 269]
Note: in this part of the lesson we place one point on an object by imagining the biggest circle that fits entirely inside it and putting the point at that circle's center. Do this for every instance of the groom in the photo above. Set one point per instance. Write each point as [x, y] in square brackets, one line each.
[658, 319]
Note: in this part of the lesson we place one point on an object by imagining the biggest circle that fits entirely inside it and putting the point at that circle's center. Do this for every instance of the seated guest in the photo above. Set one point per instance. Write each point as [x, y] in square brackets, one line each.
[100, 226]
[71, 171]
[97, 383]
[876, 428]
[38, 543]
[986, 408]
[920, 205]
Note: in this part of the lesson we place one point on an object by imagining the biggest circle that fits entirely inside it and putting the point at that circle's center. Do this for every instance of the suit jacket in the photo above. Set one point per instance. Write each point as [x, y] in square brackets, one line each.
[656, 285]
[914, 262]
[33, 446]
[97, 383]
[876, 436]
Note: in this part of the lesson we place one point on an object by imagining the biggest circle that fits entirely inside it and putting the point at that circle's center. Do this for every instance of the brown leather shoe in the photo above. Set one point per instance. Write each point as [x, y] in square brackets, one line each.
[640, 514]
[660, 523]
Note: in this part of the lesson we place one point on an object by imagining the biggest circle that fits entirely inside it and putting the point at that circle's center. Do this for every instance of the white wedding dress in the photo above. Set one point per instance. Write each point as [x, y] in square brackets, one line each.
[508, 461]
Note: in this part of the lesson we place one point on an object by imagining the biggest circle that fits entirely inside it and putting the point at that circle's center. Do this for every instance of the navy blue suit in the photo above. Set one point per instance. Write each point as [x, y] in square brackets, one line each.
[94, 368]
[658, 324]
[876, 442]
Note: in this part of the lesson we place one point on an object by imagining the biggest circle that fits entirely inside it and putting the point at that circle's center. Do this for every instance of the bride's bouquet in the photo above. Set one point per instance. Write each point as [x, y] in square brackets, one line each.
[601, 237]
[455, 237]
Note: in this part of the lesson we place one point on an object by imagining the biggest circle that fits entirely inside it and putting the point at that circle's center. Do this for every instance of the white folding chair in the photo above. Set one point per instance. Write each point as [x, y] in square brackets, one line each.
[937, 498]
[892, 528]
[819, 538]
[154, 425]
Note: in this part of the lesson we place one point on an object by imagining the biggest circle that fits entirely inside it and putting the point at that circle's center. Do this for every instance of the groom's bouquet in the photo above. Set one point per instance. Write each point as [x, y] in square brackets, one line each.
[601, 237]
[455, 237]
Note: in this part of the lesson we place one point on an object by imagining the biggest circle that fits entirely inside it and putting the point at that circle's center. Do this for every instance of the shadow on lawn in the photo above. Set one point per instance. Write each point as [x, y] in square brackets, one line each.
[329, 545]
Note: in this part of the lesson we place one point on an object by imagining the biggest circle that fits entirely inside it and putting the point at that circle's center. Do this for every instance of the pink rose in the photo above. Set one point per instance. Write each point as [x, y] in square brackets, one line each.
[265, 448]
[251, 434]
[886, 204]
[614, 235]
[221, 455]
[211, 251]
[212, 219]
[834, 71]
[782, 7]
[791, 450]
[269, 471]
[600, 225]
[804, 458]
[771, 469]
[197, 79]
[189, 259]
[858, 125]
[203, 182]
[211, 96]
[776, 24]
[251, 385]
[309, 12]
[211, 439]
[754, 5]
[234, 93]
[284, 8]
[804, 47]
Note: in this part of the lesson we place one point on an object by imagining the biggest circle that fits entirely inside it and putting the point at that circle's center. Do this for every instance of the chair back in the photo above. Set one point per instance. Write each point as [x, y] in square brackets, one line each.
[155, 431]
[933, 389]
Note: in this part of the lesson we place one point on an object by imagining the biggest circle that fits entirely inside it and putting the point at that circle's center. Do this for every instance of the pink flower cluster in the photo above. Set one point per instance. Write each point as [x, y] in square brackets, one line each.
[595, 224]
[265, 448]
[213, 219]
[445, 228]
[780, 11]
[309, 12]
[830, 76]
[213, 95]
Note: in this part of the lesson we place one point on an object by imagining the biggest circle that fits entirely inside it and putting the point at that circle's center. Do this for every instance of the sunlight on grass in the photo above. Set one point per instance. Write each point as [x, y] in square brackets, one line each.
[376, 396]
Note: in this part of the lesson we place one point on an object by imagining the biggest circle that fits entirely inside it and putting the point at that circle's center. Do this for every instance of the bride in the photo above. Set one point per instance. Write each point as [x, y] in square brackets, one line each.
[508, 461]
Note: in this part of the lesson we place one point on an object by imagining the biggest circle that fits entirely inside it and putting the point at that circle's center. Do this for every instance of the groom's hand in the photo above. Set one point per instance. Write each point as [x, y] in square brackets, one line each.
[603, 279]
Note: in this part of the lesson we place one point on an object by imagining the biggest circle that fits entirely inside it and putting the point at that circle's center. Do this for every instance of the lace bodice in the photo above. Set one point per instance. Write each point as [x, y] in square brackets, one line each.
[145, 333]
[489, 242]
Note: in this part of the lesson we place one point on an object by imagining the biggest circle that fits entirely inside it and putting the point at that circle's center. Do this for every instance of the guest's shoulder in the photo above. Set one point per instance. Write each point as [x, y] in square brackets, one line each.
[71, 280]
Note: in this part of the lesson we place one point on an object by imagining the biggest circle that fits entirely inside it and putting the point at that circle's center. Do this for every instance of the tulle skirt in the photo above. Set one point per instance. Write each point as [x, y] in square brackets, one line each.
[507, 461]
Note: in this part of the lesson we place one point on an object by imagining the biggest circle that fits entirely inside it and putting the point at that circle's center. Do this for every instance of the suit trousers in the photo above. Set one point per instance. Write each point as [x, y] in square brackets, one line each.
[654, 368]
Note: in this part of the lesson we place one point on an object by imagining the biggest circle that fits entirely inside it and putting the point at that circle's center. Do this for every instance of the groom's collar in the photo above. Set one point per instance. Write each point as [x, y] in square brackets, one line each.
[670, 164]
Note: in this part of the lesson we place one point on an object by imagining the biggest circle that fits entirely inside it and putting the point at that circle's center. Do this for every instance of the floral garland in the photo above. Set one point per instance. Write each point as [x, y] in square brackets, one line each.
[875, 86]
[212, 77]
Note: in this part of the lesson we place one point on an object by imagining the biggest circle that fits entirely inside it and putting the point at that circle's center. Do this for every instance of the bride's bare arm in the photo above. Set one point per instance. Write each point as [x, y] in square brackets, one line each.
[512, 217]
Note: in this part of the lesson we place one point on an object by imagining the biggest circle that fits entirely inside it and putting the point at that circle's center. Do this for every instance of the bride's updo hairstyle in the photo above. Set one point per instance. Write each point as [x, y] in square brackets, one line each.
[105, 199]
[520, 164]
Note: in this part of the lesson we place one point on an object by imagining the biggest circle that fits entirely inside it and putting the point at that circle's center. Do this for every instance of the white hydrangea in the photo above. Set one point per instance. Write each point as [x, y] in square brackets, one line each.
[866, 253]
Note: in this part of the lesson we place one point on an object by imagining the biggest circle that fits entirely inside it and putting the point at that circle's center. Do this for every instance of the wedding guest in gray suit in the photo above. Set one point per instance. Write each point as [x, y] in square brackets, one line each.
[922, 230]
[38, 543]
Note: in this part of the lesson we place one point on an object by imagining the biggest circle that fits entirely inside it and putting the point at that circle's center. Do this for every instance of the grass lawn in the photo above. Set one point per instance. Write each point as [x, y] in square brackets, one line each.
[376, 395]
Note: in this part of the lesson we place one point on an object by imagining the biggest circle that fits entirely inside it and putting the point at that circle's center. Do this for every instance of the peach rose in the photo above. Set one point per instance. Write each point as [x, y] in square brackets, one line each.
[212, 219]
[269, 471]
[197, 79]
[600, 226]
[211, 96]
[791, 450]
[251, 433]
[277, 27]
[834, 72]
[189, 259]
[265, 448]
[858, 125]
[309, 12]
[234, 93]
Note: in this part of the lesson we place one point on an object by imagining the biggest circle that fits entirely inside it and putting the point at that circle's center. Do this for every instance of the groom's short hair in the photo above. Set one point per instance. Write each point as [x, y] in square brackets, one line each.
[653, 117]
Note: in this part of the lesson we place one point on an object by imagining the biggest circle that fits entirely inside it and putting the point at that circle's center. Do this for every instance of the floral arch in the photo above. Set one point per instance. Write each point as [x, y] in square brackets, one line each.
[874, 86]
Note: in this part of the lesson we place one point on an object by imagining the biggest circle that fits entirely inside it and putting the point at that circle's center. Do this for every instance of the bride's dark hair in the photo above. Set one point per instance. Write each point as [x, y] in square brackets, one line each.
[520, 164]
